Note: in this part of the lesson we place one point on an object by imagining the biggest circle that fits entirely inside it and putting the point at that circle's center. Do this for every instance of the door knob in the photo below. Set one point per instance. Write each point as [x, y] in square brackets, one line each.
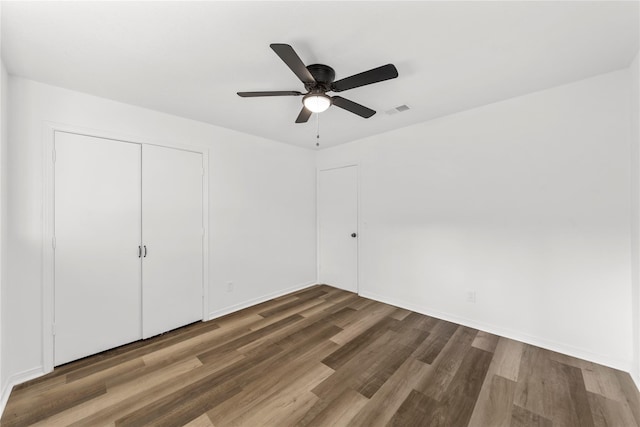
[354, 235]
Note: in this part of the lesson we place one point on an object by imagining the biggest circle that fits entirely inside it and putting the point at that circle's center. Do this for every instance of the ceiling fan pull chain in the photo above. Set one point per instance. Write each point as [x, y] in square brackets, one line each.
[317, 129]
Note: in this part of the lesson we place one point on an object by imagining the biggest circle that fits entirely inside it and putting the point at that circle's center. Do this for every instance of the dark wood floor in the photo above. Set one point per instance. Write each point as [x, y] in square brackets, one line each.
[327, 357]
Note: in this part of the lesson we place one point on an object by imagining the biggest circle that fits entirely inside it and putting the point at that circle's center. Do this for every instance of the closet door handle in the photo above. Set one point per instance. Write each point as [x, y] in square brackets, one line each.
[139, 251]
[145, 251]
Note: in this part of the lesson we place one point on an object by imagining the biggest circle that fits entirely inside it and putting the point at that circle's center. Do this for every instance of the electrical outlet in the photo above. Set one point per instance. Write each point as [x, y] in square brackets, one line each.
[471, 296]
[229, 286]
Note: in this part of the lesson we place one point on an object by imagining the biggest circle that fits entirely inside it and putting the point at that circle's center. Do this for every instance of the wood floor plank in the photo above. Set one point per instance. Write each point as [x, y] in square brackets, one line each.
[400, 314]
[214, 353]
[325, 356]
[181, 407]
[631, 394]
[578, 405]
[382, 406]
[493, 407]
[534, 391]
[153, 390]
[307, 295]
[416, 410]
[609, 413]
[349, 374]
[496, 397]
[378, 312]
[234, 326]
[362, 303]
[367, 370]
[462, 393]
[455, 405]
[148, 390]
[289, 406]
[448, 362]
[485, 341]
[121, 393]
[417, 321]
[603, 381]
[291, 332]
[316, 309]
[388, 363]
[339, 412]
[432, 347]
[186, 403]
[30, 411]
[521, 417]
[202, 421]
[290, 364]
[347, 351]
[104, 374]
[296, 308]
[342, 302]
[507, 358]
[336, 295]
[272, 384]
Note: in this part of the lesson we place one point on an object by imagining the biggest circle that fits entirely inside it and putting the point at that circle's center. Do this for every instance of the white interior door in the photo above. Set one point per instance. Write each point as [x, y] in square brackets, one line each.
[338, 227]
[97, 232]
[172, 236]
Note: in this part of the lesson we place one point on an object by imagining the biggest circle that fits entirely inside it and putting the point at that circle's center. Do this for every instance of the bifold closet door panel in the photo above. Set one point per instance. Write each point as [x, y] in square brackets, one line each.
[172, 235]
[97, 233]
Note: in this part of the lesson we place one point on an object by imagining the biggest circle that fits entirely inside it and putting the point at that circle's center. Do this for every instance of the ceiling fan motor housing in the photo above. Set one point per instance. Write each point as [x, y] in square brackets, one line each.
[323, 74]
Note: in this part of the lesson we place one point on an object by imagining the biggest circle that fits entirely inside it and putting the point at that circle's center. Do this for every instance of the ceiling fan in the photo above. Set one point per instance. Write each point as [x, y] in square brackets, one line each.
[318, 80]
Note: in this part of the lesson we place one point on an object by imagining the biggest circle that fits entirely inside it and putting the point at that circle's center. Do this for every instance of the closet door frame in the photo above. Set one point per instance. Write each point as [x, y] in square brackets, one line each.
[48, 237]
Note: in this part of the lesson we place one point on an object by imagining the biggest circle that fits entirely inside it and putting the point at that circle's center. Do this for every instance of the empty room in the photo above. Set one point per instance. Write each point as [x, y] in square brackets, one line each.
[320, 213]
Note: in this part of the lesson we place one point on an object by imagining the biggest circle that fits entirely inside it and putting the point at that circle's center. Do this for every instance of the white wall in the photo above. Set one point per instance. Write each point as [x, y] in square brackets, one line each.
[3, 226]
[526, 202]
[634, 70]
[2, 207]
[262, 207]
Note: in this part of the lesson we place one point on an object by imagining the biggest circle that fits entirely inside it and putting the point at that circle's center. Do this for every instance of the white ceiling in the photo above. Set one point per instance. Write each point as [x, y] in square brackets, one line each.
[190, 58]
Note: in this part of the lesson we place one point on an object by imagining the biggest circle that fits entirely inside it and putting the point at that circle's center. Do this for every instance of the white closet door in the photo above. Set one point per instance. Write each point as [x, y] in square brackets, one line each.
[338, 227]
[172, 221]
[97, 233]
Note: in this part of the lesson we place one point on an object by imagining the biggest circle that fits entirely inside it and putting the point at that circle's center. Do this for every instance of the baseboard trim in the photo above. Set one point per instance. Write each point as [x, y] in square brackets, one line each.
[507, 333]
[240, 306]
[14, 380]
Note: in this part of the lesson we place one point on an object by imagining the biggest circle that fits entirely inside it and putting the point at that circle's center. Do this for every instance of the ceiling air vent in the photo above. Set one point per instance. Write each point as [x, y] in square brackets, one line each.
[398, 109]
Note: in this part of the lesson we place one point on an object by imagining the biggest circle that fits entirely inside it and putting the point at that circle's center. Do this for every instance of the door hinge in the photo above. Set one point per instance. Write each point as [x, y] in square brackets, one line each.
[53, 242]
[53, 157]
[202, 171]
[53, 329]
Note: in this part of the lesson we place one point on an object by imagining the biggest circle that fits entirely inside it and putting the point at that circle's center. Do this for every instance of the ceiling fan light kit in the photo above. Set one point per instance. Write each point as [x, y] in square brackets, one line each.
[318, 79]
[316, 102]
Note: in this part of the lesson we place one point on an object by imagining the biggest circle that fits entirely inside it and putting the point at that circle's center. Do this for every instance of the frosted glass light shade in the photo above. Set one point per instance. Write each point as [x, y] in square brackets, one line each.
[316, 103]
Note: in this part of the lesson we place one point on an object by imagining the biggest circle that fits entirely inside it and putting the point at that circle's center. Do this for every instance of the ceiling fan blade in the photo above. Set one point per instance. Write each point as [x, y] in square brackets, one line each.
[272, 93]
[376, 75]
[353, 107]
[293, 61]
[304, 115]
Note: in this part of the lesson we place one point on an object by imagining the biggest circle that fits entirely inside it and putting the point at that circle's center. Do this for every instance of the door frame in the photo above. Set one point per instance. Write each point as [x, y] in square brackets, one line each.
[358, 210]
[48, 211]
